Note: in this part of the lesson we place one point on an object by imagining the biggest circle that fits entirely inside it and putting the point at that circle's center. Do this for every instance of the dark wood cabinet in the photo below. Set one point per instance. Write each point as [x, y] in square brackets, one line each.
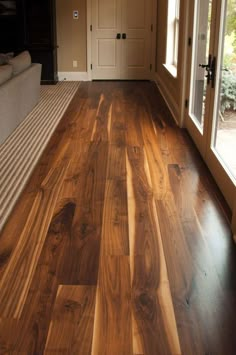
[32, 27]
[12, 29]
[40, 35]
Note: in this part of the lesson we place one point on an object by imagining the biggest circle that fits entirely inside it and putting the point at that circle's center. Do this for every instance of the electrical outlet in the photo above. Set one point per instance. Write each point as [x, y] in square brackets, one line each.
[75, 64]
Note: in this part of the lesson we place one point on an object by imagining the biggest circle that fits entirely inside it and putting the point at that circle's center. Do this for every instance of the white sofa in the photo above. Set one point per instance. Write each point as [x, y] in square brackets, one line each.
[19, 91]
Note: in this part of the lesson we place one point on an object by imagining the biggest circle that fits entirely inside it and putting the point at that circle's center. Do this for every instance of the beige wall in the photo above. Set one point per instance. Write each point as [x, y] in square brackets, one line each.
[171, 87]
[71, 35]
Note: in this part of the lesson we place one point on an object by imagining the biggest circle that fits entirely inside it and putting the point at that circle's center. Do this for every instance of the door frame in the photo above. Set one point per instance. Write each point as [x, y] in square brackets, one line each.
[89, 38]
[196, 134]
[224, 179]
[208, 153]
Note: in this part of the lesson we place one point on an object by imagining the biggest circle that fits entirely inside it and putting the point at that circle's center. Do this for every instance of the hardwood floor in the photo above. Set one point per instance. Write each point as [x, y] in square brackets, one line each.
[120, 243]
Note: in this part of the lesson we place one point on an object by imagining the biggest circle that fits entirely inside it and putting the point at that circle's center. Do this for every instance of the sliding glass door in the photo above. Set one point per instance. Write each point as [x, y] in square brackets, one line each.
[211, 113]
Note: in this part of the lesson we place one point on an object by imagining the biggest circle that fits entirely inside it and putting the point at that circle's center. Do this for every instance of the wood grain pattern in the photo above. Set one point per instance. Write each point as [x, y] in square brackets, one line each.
[120, 242]
[116, 165]
[115, 240]
[25, 257]
[71, 327]
[101, 130]
[198, 273]
[112, 328]
[157, 167]
[118, 122]
[50, 272]
[87, 223]
[153, 311]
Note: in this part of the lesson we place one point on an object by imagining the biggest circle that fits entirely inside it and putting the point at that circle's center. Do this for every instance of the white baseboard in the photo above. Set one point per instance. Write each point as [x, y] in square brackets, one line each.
[73, 76]
[173, 107]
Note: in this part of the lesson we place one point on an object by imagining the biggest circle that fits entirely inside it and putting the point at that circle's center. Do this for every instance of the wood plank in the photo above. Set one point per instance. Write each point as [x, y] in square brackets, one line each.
[134, 136]
[116, 166]
[7, 341]
[118, 120]
[154, 324]
[71, 328]
[112, 329]
[115, 237]
[101, 131]
[87, 224]
[137, 162]
[19, 273]
[158, 172]
[199, 280]
[50, 272]
[195, 287]
[183, 191]
[194, 194]
[30, 332]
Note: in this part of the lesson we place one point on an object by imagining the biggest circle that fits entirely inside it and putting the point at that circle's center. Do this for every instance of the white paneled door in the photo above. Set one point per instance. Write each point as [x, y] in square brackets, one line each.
[121, 39]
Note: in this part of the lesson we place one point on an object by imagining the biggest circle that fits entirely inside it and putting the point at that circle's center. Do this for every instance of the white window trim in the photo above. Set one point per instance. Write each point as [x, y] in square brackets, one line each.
[172, 69]
[172, 40]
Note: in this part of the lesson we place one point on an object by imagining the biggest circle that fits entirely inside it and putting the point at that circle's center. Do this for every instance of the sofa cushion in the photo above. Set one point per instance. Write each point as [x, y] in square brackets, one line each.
[20, 62]
[5, 73]
[4, 57]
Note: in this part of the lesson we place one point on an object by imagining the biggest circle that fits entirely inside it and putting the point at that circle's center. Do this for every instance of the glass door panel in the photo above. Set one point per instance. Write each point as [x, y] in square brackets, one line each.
[200, 61]
[224, 127]
[211, 85]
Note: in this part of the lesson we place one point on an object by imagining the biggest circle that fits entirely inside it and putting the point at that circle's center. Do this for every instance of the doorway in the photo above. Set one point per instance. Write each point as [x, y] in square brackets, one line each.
[211, 86]
[122, 35]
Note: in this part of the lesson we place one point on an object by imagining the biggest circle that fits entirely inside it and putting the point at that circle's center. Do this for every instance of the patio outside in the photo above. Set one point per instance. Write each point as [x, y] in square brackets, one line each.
[225, 141]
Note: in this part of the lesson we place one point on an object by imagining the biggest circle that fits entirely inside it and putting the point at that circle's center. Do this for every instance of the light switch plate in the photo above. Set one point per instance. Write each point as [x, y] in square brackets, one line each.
[75, 14]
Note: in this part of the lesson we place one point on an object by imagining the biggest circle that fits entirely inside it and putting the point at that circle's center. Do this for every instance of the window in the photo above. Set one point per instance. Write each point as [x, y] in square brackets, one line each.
[172, 36]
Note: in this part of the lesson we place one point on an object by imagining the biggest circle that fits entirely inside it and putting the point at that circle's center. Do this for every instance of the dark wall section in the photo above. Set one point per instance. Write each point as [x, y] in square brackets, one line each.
[31, 27]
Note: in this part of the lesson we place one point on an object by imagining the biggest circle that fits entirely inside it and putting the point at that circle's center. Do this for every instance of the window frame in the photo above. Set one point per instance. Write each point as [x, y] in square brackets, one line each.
[172, 40]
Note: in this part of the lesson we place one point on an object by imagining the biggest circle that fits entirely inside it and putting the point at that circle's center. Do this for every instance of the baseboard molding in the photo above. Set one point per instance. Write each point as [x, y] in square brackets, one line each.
[173, 107]
[73, 76]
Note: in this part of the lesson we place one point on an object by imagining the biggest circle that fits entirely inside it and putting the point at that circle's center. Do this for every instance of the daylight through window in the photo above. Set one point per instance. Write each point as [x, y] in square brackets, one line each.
[172, 36]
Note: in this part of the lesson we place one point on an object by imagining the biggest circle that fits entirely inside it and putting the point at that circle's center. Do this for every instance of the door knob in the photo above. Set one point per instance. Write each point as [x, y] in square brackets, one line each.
[118, 36]
[211, 70]
[204, 66]
[207, 67]
[123, 35]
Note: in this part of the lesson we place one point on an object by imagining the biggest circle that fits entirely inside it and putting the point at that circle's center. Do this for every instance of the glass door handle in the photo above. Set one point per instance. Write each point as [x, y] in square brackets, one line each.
[213, 72]
[206, 66]
[210, 68]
